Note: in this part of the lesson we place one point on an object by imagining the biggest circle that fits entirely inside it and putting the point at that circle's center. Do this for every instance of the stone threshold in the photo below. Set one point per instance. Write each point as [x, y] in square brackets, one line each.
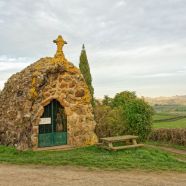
[55, 148]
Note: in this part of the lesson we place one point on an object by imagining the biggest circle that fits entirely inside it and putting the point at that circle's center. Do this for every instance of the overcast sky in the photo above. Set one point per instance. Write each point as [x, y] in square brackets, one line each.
[137, 45]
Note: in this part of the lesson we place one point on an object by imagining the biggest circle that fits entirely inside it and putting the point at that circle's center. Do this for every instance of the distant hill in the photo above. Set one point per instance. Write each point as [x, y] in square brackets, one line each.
[174, 100]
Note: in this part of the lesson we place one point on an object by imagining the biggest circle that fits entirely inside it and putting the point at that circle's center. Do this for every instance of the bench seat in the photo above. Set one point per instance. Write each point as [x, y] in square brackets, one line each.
[119, 138]
[130, 142]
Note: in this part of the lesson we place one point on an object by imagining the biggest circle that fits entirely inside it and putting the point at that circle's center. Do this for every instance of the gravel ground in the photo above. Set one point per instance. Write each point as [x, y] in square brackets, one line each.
[13, 175]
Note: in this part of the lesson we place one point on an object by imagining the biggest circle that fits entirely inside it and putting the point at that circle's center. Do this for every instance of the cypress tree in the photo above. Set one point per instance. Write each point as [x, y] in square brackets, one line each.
[85, 70]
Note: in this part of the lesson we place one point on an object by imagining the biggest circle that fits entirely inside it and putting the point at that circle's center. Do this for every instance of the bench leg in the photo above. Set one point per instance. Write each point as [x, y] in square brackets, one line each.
[110, 145]
[127, 142]
[134, 142]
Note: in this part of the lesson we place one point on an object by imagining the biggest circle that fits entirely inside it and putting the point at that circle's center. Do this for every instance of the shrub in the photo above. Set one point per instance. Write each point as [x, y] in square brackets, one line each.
[110, 122]
[123, 98]
[173, 136]
[123, 114]
[137, 113]
[139, 118]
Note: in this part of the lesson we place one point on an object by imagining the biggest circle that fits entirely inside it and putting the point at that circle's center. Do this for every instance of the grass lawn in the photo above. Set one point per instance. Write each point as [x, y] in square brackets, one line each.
[171, 124]
[93, 157]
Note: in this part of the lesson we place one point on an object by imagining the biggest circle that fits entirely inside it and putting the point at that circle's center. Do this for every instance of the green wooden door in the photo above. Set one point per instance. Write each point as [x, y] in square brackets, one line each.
[53, 126]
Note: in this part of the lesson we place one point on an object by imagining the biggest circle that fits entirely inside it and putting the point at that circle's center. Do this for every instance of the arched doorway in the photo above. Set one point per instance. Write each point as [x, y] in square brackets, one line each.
[53, 126]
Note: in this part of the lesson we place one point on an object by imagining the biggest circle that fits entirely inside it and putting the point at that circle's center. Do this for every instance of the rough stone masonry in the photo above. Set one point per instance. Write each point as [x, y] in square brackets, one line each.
[26, 93]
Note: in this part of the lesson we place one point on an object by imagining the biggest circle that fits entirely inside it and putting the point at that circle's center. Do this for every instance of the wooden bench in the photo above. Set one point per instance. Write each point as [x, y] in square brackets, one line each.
[129, 141]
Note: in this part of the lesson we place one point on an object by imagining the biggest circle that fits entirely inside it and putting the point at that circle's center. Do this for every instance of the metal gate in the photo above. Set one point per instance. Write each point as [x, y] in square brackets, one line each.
[53, 126]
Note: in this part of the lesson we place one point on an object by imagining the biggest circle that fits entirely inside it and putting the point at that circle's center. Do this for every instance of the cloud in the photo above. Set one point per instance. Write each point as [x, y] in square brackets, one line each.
[120, 3]
[130, 44]
[10, 65]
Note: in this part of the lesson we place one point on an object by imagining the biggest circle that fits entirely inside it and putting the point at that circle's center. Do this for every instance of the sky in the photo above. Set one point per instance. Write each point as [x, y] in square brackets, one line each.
[136, 45]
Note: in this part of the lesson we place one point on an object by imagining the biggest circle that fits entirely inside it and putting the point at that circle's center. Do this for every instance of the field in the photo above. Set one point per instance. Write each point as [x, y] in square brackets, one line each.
[170, 108]
[169, 116]
[164, 115]
[181, 123]
[145, 158]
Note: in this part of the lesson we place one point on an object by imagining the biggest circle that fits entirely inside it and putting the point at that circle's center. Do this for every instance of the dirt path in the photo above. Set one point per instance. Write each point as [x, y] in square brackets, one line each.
[13, 175]
[169, 149]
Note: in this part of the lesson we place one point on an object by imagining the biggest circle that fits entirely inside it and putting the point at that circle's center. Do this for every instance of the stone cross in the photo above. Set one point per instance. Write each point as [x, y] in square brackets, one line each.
[60, 43]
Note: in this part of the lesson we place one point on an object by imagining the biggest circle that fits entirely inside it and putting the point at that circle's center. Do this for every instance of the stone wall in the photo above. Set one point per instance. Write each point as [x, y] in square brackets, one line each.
[26, 93]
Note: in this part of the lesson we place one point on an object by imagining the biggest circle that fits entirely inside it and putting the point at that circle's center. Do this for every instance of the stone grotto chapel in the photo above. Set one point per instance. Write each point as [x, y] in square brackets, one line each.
[47, 104]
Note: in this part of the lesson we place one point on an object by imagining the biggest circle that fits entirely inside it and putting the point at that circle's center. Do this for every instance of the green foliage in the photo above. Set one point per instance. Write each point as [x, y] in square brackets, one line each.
[123, 98]
[139, 118]
[110, 122]
[93, 157]
[136, 113]
[85, 70]
[107, 101]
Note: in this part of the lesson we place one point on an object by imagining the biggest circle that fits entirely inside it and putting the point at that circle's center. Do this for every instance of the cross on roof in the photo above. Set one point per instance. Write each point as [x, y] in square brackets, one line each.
[60, 43]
